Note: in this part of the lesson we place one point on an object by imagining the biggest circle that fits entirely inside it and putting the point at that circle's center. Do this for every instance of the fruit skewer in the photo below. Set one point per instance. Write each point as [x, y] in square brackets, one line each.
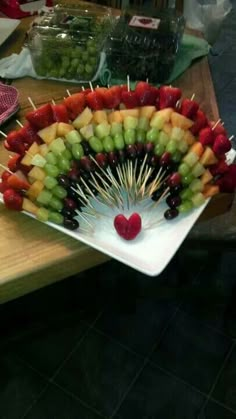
[124, 136]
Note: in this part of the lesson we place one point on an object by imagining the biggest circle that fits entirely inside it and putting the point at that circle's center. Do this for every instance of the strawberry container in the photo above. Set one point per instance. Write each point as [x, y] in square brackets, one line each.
[144, 45]
[67, 43]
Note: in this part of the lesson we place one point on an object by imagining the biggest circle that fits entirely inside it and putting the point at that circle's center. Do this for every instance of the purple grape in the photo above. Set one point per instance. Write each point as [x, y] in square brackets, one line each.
[171, 213]
[173, 201]
[131, 151]
[64, 181]
[121, 156]
[86, 147]
[71, 223]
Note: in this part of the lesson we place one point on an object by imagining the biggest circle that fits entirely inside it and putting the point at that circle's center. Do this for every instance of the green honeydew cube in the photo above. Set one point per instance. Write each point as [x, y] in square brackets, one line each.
[198, 169]
[152, 135]
[143, 123]
[44, 197]
[163, 138]
[38, 160]
[73, 137]
[42, 214]
[198, 199]
[196, 185]
[116, 128]
[102, 130]
[130, 122]
[176, 134]
[57, 146]
[191, 158]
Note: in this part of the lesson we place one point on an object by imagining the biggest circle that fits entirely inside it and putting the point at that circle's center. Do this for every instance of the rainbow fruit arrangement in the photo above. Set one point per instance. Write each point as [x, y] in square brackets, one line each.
[62, 145]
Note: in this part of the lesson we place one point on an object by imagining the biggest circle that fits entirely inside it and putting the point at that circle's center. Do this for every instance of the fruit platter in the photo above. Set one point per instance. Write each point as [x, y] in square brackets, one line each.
[125, 171]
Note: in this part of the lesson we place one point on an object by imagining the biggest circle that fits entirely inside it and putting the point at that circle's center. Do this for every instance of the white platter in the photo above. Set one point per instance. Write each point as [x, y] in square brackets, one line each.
[7, 27]
[152, 249]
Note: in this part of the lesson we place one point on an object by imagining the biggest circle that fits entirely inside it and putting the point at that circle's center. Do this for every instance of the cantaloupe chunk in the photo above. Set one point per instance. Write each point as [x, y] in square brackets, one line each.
[210, 190]
[208, 158]
[115, 116]
[147, 111]
[35, 189]
[29, 206]
[48, 134]
[197, 148]
[129, 112]
[189, 137]
[84, 118]
[206, 177]
[99, 116]
[63, 129]
[180, 121]
[167, 128]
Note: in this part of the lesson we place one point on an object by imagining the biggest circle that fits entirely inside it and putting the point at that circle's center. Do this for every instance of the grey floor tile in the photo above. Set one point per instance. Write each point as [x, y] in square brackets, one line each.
[56, 404]
[157, 395]
[192, 351]
[225, 390]
[141, 328]
[99, 372]
[46, 349]
[215, 411]
[19, 386]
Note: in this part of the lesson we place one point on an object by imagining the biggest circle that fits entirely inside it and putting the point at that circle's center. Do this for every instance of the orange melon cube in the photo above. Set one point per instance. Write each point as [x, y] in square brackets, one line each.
[208, 158]
[206, 177]
[189, 137]
[99, 116]
[147, 111]
[180, 121]
[210, 190]
[115, 116]
[197, 148]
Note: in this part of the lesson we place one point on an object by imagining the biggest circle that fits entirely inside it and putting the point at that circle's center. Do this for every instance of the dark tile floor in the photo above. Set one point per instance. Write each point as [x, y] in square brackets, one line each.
[113, 343]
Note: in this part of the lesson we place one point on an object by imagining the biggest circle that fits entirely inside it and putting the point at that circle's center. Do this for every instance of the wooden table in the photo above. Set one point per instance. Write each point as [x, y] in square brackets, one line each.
[32, 254]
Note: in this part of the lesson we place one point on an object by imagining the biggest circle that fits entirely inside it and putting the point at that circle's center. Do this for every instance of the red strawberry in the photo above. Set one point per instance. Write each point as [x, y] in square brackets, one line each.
[169, 96]
[75, 104]
[129, 99]
[14, 142]
[206, 136]
[3, 186]
[29, 134]
[221, 145]
[41, 117]
[18, 181]
[189, 108]
[60, 113]
[5, 175]
[200, 121]
[220, 168]
[14, 162]
[111, 98]
[218, 129]
[12, 199]
[129, 228]
[147, 95]
[94, 101]
[227, 183]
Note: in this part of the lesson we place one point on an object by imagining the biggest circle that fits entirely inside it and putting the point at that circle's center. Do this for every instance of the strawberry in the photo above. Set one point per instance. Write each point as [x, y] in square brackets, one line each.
[29, 134]
[12, 199]
[15, 142]
[189, 108]
[75, 104]
[219, 168]
[218, 129]
[41, 117]
[221, 145]
[227, 183]
[60, 113]
[169, 96]
[129, 228]
[111, 98]
[14, 162]
[200, 121]
[5, 175]
[206, 136]
[129, 99]
[3, 186]
[94, 100]
[147, 95]
[18, 181]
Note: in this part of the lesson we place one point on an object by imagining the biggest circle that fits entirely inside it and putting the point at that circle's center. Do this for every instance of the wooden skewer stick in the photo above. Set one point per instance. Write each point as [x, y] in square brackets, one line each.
[68, 92]
[6, 168]
[32, 103]
[53, 102]
[19, 123]
[230, 138]
[82, 88]
[128, 83]
[3, 134]
[215, 125]
[91, 86]
[193, 96]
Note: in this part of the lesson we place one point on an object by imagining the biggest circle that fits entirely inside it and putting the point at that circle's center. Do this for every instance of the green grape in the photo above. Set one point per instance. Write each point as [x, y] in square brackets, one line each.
[56, 203]
[119, 141]
[51, 158]
[75, 62]
[85, 56]
[152, 135]
[44, 197]
[176, 156]
[67, 154]
[186, 194]
[77, 151]
[96, 144]
[59, 192]
[89, 69]
[42, 214]
[63, 164]
[185, 206]
[55, 217]
[108, 144]
[51, 170]
[50, 182]
[159, 149]
[183, 169]
[163, 138]
[92, 61]
[187, 179]
[171, 146]
[140, 135]
[130, 136]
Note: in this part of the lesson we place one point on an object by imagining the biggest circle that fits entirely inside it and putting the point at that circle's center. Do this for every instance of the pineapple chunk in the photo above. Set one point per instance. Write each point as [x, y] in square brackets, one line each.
[48, 134]
[37, 173]
[99, 116]
[35, 189]
[147, 111]
[29, 206]
[34, 149]
[63, 129]
[208, 158]
[129, 112]
[43, 149]
[189, 137]
[83, 119]
[87, 131]
[180, 121]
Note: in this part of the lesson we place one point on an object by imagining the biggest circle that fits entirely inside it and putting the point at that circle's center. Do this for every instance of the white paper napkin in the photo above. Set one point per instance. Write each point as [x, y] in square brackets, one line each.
[20, 65]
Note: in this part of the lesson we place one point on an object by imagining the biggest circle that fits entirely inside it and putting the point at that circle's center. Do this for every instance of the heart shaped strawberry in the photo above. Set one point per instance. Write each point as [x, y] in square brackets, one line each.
[128, 228]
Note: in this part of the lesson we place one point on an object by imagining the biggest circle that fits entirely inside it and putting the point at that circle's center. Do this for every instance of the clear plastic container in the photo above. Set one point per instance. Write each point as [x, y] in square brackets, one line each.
[67, 43]
[144, 45]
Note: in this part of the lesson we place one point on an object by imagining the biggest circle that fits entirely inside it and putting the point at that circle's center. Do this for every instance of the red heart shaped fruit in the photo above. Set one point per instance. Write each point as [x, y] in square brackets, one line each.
[129, 228]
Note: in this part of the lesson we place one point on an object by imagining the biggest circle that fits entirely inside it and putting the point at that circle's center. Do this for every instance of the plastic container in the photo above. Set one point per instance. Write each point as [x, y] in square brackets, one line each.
[144, 45]
[66, 44]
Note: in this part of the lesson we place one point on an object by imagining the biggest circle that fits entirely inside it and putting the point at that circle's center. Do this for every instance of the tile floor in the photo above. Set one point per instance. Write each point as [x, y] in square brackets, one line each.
[113, 343]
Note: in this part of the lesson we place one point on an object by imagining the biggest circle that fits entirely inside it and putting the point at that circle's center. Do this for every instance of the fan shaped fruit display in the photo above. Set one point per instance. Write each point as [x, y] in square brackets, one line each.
[120, 148]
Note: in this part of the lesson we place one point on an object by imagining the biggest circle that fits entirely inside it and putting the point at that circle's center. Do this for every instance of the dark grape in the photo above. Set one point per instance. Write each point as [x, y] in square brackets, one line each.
[68, 213]
[175, 190]
[70, 203]
[102, 160]
[86, 147]
[154, 161]
[140, 150]
[173, 201]
[171, 213]
[71, 223]
[157, 194]
[113, 159]
[72, 194]
[131, 151]
[63, 181]
[174, 179]
[121, 156]
[87, 164]
[149, 147]
[74, 174]
[165, 159]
